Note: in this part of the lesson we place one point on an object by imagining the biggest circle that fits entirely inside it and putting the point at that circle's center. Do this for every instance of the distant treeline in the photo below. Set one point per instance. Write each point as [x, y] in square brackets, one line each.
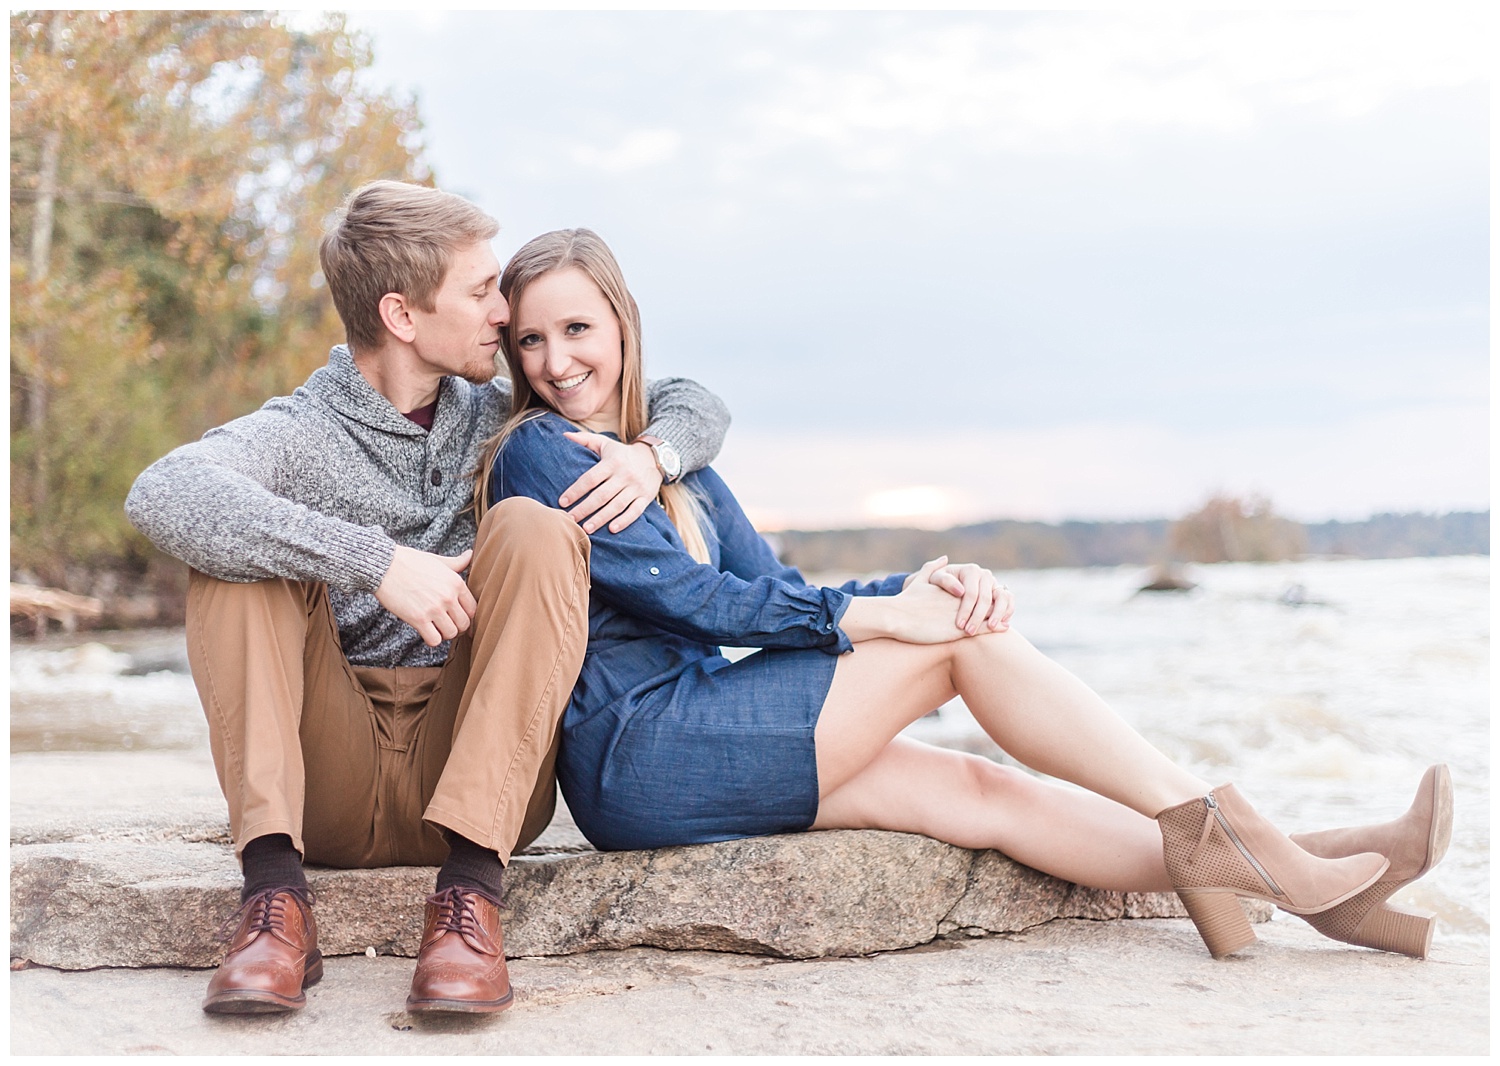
[1401, 536]
[1010, 545]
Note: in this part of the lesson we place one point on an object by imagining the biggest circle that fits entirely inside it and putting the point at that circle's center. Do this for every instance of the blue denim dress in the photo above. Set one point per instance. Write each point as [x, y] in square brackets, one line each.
[666, 741]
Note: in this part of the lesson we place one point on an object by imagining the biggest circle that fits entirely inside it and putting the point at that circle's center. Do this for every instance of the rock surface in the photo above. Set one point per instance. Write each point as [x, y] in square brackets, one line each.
[145, 903]
[125, 861]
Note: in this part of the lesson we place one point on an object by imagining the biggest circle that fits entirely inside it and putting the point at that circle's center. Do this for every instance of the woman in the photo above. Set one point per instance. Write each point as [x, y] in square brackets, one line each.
[667, 742]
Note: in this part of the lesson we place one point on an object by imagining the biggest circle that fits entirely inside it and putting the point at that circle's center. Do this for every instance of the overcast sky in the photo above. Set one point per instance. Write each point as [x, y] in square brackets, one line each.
[970, 265]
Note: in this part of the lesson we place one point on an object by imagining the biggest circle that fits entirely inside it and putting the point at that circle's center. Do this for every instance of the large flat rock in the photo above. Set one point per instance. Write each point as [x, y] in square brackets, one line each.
[79, 905]
[124, 860]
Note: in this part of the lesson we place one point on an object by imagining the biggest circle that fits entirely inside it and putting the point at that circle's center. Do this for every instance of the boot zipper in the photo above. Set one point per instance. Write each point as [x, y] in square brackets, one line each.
[1213, 806]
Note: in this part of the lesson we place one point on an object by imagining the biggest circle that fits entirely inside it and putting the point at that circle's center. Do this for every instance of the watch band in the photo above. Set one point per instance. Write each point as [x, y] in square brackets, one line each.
[657, 445]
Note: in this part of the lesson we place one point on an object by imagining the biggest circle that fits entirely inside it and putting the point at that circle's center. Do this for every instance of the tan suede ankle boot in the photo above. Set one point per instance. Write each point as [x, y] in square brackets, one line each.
[1414, 843]
[1217, 847]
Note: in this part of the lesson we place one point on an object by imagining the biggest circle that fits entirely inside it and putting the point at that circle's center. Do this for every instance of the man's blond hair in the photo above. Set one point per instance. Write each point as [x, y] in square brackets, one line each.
[392, 236]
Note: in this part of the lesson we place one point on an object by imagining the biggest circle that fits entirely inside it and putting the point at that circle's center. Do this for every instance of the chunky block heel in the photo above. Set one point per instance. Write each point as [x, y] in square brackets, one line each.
[1220, 920]
[1397, 929]
[1379, 925]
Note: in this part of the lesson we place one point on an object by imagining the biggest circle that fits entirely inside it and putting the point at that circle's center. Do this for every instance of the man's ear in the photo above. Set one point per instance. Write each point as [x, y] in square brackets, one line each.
[396, 316]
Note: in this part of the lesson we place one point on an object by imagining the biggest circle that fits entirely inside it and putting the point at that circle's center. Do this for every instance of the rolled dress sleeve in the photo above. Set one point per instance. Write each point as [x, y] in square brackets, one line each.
[745, 553]
[644, 569]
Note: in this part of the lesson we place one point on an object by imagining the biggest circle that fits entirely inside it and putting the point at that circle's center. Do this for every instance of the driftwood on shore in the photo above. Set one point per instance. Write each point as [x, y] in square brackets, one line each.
[41, 605]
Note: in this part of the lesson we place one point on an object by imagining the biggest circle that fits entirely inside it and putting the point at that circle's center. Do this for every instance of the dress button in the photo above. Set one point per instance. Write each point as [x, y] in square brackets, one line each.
[437, 477]
[654, 571]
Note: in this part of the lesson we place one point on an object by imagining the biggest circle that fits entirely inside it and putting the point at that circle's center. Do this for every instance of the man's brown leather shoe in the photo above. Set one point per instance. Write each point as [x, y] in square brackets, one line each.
[461, 966]
[271, 959]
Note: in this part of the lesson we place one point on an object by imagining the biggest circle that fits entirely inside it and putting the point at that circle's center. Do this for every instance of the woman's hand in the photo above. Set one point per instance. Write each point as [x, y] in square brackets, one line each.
[983, 603]
[921, 613]
[620, 486]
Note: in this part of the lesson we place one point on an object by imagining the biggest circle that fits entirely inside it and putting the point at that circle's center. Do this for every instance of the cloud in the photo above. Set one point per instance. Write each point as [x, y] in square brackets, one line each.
[1081, 84]
[635, 151]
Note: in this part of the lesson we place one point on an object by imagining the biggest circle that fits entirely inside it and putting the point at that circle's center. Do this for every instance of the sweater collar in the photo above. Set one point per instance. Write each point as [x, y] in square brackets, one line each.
[344, 388]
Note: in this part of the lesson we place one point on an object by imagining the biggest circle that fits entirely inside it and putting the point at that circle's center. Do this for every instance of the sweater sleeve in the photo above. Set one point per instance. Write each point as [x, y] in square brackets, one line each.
[213, 504]
[644, 570]
[688, 416]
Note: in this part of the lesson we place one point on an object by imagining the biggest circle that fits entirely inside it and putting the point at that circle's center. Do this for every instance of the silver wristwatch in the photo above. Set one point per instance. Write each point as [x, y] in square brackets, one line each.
[667, 459]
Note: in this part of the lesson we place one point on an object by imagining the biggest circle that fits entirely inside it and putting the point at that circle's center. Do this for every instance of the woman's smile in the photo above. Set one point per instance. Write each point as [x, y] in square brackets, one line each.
[569, 341]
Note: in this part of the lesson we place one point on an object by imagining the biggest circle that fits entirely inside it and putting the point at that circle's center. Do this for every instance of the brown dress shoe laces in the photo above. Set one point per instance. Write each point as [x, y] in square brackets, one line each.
[267, 914]
[456, 913]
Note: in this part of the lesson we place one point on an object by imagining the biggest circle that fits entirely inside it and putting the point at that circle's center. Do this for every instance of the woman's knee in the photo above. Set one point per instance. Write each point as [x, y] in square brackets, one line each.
[990, 647]
[990, 781]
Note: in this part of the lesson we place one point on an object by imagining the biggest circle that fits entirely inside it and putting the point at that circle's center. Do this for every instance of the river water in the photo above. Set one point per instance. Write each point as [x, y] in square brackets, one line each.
[1322, 689]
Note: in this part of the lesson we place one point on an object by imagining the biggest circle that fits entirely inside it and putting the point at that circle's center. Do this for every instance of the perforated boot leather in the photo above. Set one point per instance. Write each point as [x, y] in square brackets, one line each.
[1217, 847]
[1219, 843]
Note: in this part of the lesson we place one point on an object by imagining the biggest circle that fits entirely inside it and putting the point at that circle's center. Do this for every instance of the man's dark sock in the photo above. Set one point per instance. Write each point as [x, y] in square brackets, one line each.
[271, 862]
[469, 866]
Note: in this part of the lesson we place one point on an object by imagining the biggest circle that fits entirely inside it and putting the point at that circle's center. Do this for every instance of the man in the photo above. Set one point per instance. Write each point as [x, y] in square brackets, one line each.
[367, 706]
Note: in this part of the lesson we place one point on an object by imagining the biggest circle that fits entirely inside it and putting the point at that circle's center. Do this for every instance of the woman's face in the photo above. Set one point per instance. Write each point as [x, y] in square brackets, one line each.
[568, 339]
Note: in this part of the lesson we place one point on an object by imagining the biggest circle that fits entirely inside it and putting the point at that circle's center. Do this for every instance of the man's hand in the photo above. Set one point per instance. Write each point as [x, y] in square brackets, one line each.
[619, 487]
[426, 592]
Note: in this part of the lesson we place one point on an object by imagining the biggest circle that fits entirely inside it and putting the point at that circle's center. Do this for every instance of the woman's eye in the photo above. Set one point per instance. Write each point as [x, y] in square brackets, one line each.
[575, 328]
[528, 340]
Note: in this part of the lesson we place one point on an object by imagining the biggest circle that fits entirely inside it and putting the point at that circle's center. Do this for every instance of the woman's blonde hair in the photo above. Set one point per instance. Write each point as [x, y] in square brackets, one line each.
[582, 249]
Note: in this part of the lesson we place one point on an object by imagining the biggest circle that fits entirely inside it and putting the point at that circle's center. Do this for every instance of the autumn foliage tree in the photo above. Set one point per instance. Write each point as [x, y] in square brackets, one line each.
[170, 176]
[1228, 529]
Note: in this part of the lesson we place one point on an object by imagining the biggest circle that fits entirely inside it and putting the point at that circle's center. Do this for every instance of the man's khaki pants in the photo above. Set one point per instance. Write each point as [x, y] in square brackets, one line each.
[359, 765]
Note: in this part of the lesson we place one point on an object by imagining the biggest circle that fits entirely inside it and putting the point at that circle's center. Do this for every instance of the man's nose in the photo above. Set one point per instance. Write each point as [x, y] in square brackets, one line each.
[500, 316]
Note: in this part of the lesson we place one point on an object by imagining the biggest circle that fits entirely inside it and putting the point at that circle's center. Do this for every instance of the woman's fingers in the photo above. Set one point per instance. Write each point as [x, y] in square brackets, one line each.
[973, 580]
[930, 567]
[1005, 605]
[992, 610]
[973, 585]
[983, 603]
[945, 580]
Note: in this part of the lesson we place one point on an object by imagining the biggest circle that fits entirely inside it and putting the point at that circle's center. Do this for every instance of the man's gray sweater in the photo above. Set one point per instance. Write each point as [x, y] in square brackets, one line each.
[322, 485]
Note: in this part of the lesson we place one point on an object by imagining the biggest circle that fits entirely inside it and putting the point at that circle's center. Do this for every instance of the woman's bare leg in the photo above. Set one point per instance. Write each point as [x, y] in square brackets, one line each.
[1033, 708]
[974, 803]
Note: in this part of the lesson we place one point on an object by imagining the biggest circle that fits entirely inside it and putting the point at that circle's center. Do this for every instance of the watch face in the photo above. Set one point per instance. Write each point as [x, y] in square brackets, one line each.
[671, 462]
